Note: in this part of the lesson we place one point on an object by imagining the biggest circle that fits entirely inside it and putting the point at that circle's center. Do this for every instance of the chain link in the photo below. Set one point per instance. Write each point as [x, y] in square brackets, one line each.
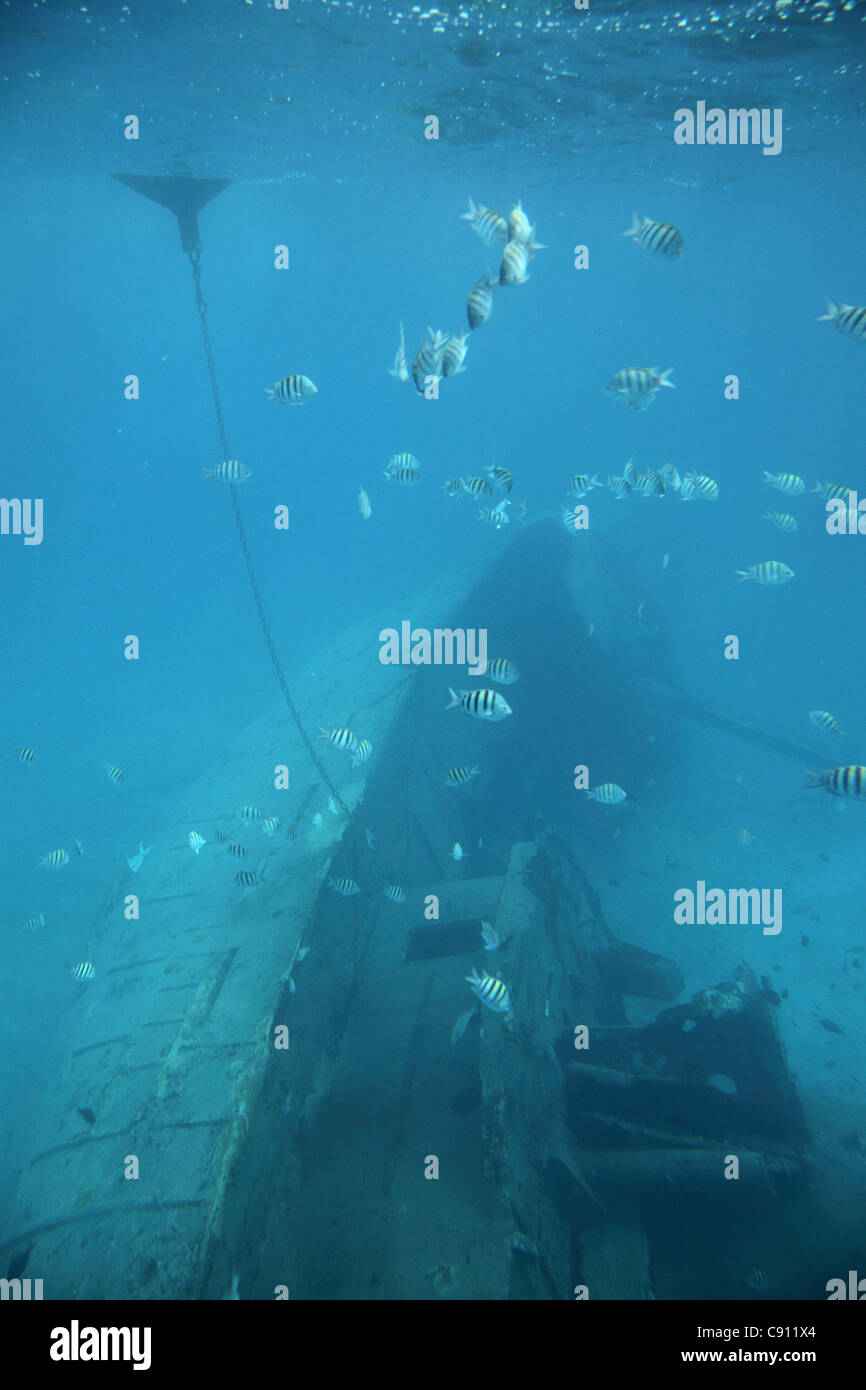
[201, 306]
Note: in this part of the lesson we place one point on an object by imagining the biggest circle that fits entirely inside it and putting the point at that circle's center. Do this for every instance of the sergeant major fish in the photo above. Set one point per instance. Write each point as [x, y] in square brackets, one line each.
[823, 719]
[489, 224]
[515, 260]
[491, 992]
[479, 304]
[849, 319]
[291, 390]
[454, 355]
[769, 574]
[229, 471]
[638, 384]
[840, 781]
[428, 359]
[659, 238]
[479, 704]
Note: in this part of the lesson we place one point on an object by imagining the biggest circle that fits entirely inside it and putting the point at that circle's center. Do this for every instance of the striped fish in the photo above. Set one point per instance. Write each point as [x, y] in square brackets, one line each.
[428, 358]
[670, 477]
[501, 477]
[704, 487]
[769, 573]
[394, 893]
[659, 238]
[114, 774]
[362, 752]
[491, 992]
[479, 704]
[291, 832]
[454, 487]
[479, 303]
[346, 887]
[521, 229]
[55, 859]
[291, 390]
[831, 490]
[649, 485]
[841, 781]
[25, 755]
[581, 484]
[454, 355]
[249, 814]
[489, 224]
[849, 319]
[502, 671]
[620, 487]
[515, 259]
[370, 838]
[788, 483]
[248, 878]
[33, 924]
[220, 836]
[489, 935]
[196, 841]
[406, 477]
[236, 851]
[343, 739]
[270, 825]
[783, 521]
[400, 463]
[83, 970]
[364, 505]
[635, 385]
[229, 471]
[823, 719]
[608, 794]
[459, 776]
[495, 516]
[477, 487]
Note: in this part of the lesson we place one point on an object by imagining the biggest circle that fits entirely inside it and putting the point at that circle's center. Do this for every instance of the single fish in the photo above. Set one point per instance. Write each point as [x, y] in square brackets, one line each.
[479, 704]
[491, 992]
[489, 936]
[229, 471]
[135, 861]
[459, 776]
[346, 887]
[196, 841]
[291, 390]
[659, 238]
[54, 859]
[399, 369]
[608, 794]
[823, 719]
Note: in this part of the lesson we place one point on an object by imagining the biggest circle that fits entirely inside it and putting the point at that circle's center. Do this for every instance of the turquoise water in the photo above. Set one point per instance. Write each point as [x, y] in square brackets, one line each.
[317, 116]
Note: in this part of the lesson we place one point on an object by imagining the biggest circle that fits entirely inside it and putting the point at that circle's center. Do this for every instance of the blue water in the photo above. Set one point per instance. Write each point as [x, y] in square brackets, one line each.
[317, 116]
